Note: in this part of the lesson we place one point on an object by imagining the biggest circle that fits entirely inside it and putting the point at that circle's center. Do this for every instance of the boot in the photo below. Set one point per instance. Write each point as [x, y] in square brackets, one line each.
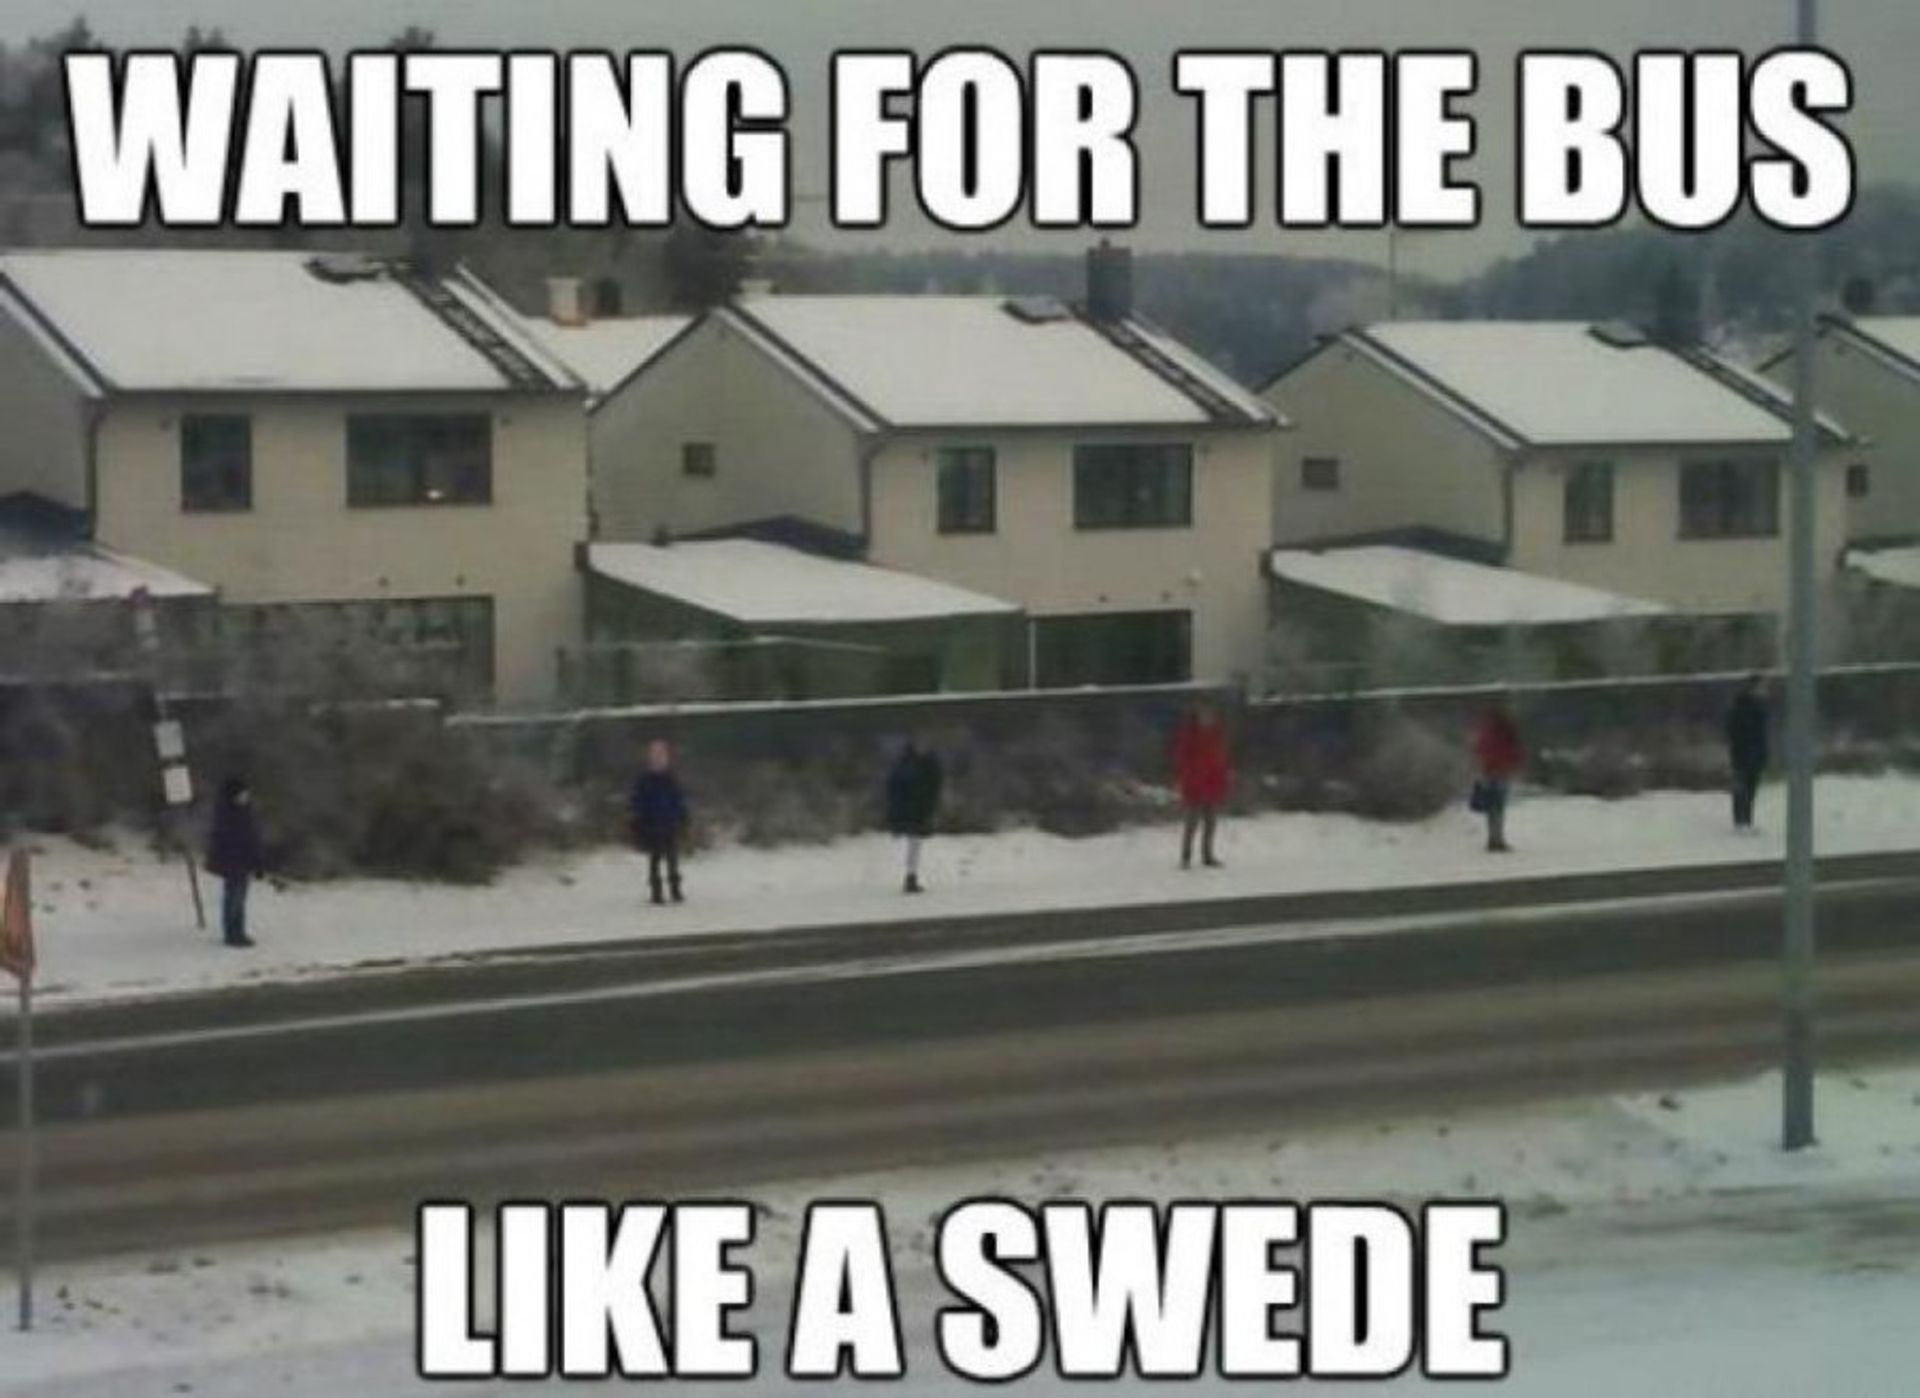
[912, 885]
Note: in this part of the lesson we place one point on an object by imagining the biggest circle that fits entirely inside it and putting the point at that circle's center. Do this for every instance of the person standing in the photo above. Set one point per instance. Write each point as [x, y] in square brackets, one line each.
[1201, 775]
[657, 810]
[913, 800]
[1498, 756]
[1746, 728]
[235, 856]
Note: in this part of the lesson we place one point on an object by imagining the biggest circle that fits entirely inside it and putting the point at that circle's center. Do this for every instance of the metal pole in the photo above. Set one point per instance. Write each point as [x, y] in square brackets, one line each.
[24, 1182]
[1393, 271]
[1796, 1131]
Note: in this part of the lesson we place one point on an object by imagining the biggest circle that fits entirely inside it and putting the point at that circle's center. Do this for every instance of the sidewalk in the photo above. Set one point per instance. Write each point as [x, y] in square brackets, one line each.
[119, 922]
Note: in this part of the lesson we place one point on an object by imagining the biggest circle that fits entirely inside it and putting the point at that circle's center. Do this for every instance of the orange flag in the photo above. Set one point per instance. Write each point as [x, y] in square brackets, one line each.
[16, 920]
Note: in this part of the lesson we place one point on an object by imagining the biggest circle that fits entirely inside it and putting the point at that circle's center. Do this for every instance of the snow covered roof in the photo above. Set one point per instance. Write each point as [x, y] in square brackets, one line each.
[981, 361]
[1451, 591]
[1893, 340]
[1562, 383]
[1899, 567]
[761, 584]
[603, 354]
[83, 573]
[145, 319]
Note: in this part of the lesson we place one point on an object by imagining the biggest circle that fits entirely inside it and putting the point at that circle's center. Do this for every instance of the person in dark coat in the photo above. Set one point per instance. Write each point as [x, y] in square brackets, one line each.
[235, 856]
[1746, 727]
[1202, 774]
[657, 811]
[913, 800]
[1497, 756]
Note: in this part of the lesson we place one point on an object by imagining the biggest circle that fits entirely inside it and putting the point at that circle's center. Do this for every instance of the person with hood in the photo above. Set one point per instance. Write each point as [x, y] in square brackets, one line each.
[235, 856]
[1497, 756]
[1746, 728]
[657, 812]
[913, 800]
[1201, 775]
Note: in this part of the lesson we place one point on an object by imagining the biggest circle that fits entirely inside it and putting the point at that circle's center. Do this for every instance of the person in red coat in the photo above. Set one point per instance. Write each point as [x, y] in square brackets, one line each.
[1498, 755]
[1201, 775]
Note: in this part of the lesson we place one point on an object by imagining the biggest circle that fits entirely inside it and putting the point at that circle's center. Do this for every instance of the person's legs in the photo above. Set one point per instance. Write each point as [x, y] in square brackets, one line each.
[1746, 785]
[1209, 823]
[655, 861]
[233, 911]
[1496, 816]
[913, 863]
[1190, 822]
[673, 872]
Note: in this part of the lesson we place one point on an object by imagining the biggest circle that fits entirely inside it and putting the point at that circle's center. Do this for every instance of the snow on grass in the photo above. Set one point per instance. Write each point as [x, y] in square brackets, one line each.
[118, 921]
[1654, 1240]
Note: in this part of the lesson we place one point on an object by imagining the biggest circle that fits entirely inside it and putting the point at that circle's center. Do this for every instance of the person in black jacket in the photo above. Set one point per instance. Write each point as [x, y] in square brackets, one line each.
[235, 856]
[1747, 748]
[913, 800]
[657, 811]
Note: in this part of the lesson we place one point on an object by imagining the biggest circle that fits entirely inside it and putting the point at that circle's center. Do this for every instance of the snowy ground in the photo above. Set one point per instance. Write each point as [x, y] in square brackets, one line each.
[119, 921]
[1658, 1244]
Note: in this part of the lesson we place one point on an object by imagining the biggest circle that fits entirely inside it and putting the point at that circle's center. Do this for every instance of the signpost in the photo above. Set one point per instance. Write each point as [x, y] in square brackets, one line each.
[17, 957]
[170, 746]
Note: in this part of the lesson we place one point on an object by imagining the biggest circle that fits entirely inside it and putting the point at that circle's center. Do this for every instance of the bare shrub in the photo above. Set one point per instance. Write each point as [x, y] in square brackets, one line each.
[1408, 773]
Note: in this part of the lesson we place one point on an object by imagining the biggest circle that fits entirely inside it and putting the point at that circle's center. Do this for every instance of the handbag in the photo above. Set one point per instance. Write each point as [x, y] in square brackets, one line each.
[1480, 798]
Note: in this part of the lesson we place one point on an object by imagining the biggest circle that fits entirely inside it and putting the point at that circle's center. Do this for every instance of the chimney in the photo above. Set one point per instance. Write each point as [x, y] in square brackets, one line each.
[566, 301]
[1109, 282]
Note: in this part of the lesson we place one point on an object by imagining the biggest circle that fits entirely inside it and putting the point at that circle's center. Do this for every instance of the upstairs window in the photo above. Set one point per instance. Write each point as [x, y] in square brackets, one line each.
[1588, 506]
[700, 460]
[965, 479]
[419, 459]
[1320, 473]
[216, 463]
[1729, 500]
[1134, 485]
[1859, 481]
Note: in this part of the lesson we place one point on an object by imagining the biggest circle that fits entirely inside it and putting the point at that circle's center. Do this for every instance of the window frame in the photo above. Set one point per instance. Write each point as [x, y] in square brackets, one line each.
[1087, 465]
[690, 452]
[1727, 524]
[1325, 485]
[195, 472]
[1580, 521]
[985, 461]
[419, 466]
[1859, 481]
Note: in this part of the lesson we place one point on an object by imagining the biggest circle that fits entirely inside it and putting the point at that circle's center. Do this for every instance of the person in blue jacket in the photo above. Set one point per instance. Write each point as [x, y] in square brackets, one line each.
[657, 811]
[235, 856]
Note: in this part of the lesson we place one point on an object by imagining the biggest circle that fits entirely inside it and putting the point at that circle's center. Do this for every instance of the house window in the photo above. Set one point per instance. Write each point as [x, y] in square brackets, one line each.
[700, 460]
[1134, 485]
[419, 459]
[1588, 507]
[1859, 481]
[216, 463]
[1729, 500]
[1319, 473]
[966, 486]
[1112, 648]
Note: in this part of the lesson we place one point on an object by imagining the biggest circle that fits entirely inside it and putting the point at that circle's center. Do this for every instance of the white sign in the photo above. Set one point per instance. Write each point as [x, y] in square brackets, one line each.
[170, 740]
[178, 785]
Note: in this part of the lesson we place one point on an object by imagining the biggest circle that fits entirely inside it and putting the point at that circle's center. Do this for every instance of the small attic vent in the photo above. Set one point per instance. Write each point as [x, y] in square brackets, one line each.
[340, 268]
[1618, 334]
[1036, 310]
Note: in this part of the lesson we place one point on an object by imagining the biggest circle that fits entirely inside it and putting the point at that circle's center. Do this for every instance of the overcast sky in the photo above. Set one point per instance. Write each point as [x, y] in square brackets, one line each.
[1880, 38]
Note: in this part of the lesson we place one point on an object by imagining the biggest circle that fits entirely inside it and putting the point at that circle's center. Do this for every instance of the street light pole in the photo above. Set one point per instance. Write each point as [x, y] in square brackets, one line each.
[1802, 696]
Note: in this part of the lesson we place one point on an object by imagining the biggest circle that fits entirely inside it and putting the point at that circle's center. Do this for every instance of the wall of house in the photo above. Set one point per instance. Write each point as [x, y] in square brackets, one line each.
[1647, 557]
[1404, 460]
[1882, 407]
[779, 449]
[43, 422]
[301, 542]
[1037, 558]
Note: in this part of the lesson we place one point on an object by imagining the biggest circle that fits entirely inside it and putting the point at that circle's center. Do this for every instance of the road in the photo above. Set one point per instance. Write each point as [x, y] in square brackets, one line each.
[705, 1067]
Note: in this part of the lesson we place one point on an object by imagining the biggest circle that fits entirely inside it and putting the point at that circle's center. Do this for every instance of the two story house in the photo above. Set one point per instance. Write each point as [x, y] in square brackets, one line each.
[1075, 462]
[329, 439]
[1581, 453]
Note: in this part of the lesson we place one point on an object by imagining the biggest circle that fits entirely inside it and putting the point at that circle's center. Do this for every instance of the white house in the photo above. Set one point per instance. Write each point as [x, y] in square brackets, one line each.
[323, 438]
[1078, 463]
[1582, 453]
